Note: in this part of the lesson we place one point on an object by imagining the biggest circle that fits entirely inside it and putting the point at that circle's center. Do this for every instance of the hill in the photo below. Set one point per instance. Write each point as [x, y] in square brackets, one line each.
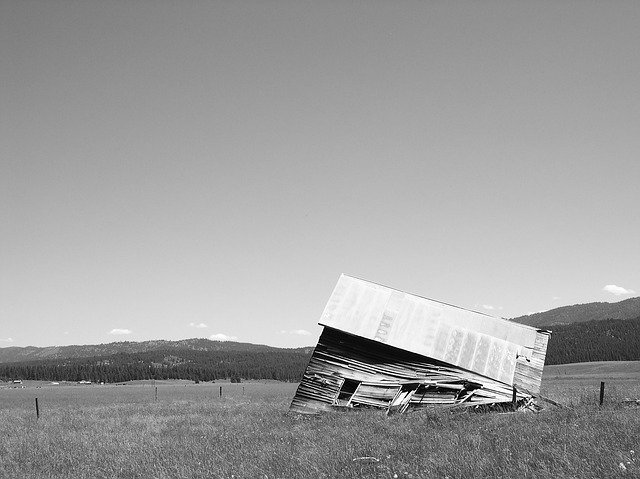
[599, 340]
[590, 332]
[577, 313]
[31, 353]
[195, 359]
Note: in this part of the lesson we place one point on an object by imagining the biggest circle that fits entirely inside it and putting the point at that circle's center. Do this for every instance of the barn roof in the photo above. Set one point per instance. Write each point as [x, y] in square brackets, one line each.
[474, 341]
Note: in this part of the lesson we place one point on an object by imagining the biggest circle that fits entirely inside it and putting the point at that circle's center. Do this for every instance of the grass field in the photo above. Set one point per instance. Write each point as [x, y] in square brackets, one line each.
[122, 431]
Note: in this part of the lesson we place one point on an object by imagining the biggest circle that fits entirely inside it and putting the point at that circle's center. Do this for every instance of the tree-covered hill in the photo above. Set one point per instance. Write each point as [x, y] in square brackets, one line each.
[31, 353]
[604, 340]
[201, 365]
[627, 309]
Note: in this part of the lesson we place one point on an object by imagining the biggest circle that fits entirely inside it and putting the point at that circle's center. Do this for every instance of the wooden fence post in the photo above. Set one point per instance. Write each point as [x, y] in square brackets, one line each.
[156, 393]
[37, 410]
[220, 391]
[601, 392]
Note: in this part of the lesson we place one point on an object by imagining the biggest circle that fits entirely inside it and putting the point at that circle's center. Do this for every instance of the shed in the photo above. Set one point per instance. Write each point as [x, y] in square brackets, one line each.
[381, 347]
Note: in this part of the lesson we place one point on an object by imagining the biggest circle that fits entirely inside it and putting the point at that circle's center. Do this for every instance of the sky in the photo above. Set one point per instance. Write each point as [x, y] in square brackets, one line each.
[209, 168]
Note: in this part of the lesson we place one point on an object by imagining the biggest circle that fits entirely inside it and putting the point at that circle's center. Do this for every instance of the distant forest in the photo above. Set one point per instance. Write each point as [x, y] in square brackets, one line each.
[603, 340]
[167, 364]
[578, 313]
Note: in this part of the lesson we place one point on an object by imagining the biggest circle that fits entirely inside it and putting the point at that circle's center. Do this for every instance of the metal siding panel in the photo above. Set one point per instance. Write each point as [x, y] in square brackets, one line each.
[482, 353]
[468, 350]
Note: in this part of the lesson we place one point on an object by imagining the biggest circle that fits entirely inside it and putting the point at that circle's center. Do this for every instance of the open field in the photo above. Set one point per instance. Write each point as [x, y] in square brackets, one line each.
[579, 383]
[622, 370]
[121, 431]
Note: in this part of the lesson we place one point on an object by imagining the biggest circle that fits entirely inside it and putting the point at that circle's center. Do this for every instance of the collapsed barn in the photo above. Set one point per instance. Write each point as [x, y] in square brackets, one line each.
[384, 348]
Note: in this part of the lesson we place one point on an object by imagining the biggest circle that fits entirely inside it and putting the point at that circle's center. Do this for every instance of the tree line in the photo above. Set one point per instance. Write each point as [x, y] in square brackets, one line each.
[601, 340]
[168, 364]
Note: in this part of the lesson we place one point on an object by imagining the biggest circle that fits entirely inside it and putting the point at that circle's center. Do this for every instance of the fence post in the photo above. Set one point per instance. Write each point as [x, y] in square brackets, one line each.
[37, 410]
[220, 391]
[601, 392]
[156, 393]
[514, 398]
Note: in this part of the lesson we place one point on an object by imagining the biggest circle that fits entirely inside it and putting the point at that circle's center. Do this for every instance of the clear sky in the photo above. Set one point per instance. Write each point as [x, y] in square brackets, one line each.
[175, 169]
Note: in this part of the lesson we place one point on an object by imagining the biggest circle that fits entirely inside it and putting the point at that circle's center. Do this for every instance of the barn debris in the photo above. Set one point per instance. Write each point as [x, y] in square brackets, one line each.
[384, 348]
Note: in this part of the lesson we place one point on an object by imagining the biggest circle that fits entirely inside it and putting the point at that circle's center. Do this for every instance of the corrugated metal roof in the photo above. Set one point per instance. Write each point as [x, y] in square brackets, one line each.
[471, 340]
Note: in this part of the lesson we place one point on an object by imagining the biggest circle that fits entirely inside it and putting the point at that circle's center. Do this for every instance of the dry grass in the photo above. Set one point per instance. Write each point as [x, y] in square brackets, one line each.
[190, 432]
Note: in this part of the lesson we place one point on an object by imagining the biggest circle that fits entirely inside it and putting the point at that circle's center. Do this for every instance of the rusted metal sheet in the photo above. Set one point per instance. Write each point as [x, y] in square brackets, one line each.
[388, 349]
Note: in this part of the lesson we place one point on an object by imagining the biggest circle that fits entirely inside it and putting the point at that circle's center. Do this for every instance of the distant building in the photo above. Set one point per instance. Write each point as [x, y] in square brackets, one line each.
[384, 348]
